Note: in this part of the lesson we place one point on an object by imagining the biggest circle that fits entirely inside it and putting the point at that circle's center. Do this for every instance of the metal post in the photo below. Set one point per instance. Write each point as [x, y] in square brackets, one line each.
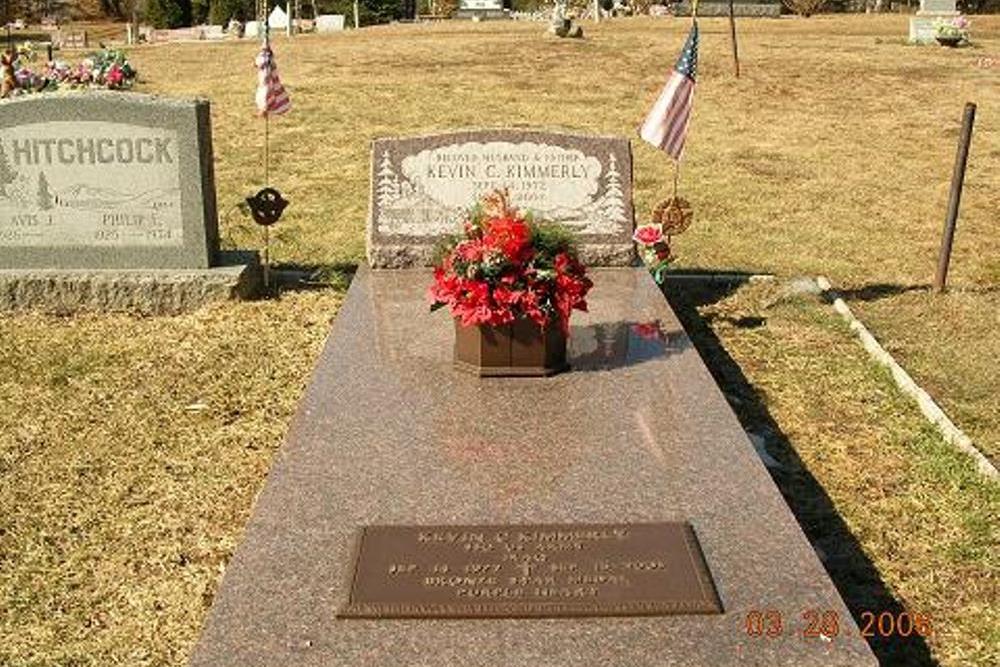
[357, 23]
[732, 37]
[955, 197]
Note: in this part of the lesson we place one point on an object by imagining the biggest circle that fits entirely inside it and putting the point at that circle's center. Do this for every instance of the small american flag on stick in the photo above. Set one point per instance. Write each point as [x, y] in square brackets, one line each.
[667, 123]
[272, 98]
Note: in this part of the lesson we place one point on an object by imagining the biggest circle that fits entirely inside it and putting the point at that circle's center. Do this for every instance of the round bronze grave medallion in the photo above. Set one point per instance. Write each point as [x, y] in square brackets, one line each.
[674, 215]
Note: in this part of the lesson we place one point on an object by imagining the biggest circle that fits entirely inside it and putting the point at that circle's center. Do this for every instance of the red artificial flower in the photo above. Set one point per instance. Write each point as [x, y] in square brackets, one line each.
[510, 236]
[470, 251]
[649, 330]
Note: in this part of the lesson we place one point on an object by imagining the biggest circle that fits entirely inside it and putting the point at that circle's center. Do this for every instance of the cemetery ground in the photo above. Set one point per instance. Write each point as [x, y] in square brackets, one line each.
[131, 448]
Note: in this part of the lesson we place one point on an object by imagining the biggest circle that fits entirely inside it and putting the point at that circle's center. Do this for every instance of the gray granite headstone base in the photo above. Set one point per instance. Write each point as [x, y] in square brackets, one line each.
[389, 433]
[143, 291]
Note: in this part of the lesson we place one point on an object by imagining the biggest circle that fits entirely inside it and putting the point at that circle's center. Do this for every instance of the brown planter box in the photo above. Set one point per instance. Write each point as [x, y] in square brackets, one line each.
[517, 349]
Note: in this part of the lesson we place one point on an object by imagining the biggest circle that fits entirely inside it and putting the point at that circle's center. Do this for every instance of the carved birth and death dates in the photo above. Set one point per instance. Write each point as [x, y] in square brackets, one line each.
[541, 570]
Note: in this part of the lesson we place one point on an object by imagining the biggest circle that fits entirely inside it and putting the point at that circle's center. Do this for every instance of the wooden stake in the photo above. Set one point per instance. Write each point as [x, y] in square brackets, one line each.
[955, 197]
[732, 37]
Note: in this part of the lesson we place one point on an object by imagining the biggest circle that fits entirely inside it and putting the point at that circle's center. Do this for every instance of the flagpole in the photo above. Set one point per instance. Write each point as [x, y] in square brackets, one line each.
[267, 154]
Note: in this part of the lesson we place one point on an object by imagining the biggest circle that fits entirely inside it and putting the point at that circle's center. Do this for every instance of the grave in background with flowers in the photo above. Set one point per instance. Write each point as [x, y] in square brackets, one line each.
[932, 16]
[410, 490]
[25, 72]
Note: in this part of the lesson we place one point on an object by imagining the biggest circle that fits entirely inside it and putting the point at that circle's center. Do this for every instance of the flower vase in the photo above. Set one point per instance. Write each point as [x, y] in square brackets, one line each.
[521, 349]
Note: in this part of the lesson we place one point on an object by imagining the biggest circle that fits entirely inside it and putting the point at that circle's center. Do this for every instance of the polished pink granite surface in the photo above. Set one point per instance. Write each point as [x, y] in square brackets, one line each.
[389, 433]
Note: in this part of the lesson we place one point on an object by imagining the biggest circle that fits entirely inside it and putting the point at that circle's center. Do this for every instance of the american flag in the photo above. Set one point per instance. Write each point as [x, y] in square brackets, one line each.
[272, 98]
[667, 123]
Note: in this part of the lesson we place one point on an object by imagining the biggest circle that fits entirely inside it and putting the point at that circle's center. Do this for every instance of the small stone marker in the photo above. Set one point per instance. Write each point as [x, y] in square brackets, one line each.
[108, 180]
[422, 188]
[533, 570]
[329, 22]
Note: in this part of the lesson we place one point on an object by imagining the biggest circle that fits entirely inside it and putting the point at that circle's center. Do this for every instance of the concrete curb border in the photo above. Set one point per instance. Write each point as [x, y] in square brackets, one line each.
[931, 410]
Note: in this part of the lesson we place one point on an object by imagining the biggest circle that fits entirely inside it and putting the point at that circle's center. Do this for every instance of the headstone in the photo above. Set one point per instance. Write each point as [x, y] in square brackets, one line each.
[251, 29]
[278, 19]
[480, 9]
[104, 182]
[923, 27]
[762, 8]
[329, 22]
[422, 188]
[214, 32]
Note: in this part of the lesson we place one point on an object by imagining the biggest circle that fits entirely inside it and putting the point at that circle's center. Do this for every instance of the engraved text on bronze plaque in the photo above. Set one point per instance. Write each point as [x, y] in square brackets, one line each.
[497, 571]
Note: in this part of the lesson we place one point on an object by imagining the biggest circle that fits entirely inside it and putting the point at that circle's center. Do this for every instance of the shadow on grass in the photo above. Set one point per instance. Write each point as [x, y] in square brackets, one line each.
[854, 575]
[299, 277]
[877, 291]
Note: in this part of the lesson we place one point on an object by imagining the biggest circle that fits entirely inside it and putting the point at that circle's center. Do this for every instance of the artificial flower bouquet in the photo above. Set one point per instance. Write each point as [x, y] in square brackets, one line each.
[955, 29]
[507, 266]
[106, 69]
[511, 283]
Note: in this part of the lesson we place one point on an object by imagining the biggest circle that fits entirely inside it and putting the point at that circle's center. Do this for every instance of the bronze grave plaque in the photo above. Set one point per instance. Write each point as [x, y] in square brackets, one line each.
[546, 570]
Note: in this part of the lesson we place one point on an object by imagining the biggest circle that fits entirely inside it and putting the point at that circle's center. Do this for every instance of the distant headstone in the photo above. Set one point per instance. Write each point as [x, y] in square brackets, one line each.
[923, 29]
[106, 180]
[251, 29]
[329, 23]
[762, 8]
[422, 188]
[214, 32]
[481, 9]
[278, 19]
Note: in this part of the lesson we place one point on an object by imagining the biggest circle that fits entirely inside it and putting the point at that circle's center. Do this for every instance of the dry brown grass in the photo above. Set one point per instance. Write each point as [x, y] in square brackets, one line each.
[923, 515]
[130, 452]
[831, 155]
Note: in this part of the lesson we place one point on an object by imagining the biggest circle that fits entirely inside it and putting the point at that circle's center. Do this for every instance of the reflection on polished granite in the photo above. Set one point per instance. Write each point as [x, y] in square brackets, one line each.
[389, 433]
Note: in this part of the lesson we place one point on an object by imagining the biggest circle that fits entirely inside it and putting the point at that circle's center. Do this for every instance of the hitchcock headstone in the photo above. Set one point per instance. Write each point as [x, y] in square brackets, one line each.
[422, 188]
[102, 186]
[106, 181]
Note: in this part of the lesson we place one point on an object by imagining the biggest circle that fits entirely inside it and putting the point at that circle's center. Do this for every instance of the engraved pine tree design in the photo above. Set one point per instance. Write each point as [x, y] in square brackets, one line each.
[7, 174]
[613, 204]
[388, 184]
[44, 192]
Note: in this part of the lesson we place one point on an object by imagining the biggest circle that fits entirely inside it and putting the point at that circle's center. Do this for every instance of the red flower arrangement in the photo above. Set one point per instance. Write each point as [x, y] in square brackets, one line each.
[506, 267]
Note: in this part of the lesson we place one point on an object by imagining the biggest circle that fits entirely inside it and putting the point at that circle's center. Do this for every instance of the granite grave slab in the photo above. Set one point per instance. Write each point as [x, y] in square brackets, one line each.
[422, 187]
[388, 433]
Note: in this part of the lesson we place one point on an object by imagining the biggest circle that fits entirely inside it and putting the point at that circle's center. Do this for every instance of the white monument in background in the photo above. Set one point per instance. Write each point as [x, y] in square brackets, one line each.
[278, 20]
[931, 11]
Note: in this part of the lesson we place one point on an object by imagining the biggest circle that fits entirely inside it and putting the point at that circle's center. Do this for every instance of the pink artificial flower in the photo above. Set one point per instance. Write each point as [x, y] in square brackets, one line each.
[648, 234]
[115, 75]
